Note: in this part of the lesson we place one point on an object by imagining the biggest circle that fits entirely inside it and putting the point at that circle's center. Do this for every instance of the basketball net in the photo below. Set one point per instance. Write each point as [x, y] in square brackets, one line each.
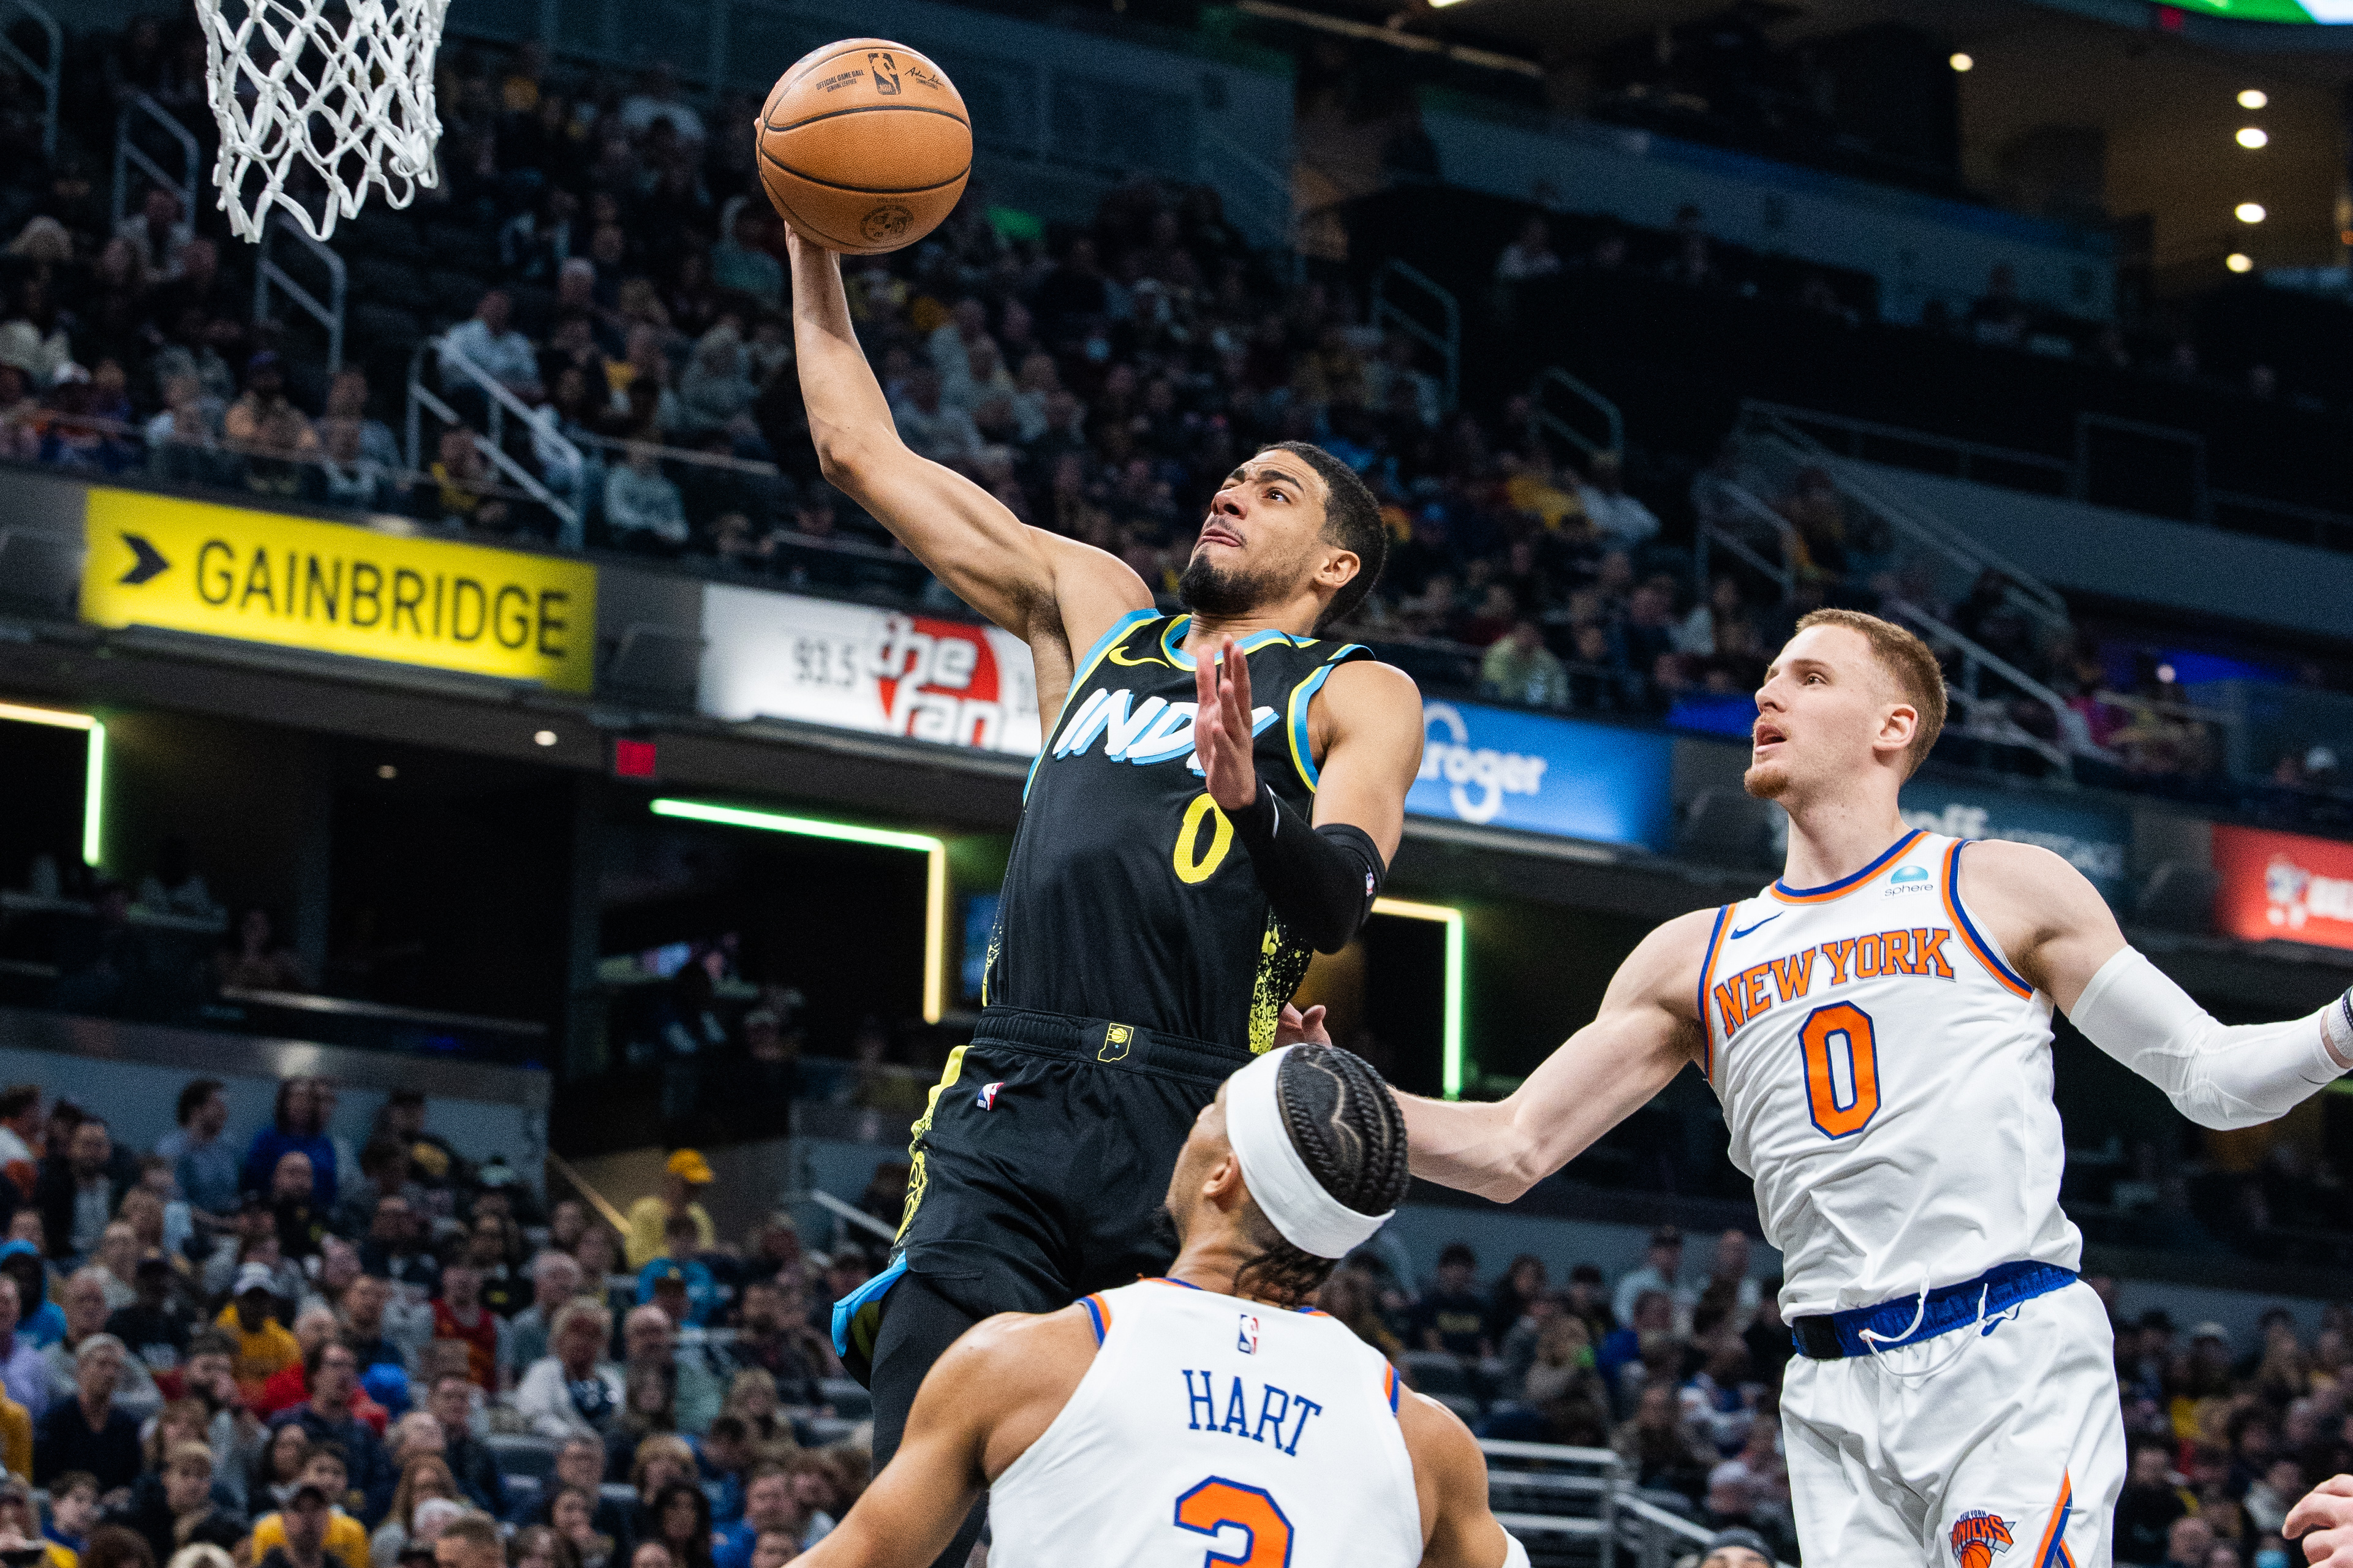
[349, 96]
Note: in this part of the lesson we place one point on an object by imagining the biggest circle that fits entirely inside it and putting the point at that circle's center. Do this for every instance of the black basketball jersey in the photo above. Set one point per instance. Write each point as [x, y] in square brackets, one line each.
[1127, 898]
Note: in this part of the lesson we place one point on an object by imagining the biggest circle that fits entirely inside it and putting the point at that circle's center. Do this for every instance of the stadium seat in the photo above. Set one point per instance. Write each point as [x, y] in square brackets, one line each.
[618, 1491]
[826, 1430]
[522, 1454]
[1435, 1372]
[849, 1400]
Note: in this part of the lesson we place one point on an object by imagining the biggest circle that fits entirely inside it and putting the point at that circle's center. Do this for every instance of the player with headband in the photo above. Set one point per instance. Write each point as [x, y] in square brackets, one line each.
[1210, 1413]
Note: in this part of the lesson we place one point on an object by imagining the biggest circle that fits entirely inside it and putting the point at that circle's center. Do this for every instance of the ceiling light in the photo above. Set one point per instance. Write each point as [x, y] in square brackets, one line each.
[544, 738]
[2253, 97]
[1960, 62]
[2239, 261]
[387, 771]
[2252, 136]
[2250, 212]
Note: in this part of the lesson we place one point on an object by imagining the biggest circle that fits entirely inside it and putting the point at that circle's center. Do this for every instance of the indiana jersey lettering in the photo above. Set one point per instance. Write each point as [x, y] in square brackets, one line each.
[1887, 1077]
[1124, 898]
[1212, 1429]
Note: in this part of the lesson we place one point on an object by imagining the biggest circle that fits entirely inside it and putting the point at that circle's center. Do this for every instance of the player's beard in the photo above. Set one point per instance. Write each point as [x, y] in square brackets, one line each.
[1766, 781]
[1166, 1239]
[1210, 591]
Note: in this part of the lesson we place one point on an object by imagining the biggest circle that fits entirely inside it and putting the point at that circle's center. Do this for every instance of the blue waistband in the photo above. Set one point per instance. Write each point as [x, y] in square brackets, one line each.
[1832, 1335]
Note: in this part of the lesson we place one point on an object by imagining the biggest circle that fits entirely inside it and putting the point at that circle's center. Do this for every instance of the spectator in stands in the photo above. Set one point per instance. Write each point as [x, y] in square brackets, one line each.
[297, 1125]
[20, 1532]
[332, 1372]
[642, 507]
[684, 1174]
[934, 429]
[24, 1372]
[87, 1430]
[575, 1515]
[743, 261]
[1661, 1266]
[555, 1278]
[395, 1249]
[202, 1161]
[1518, 668]
[73, 1510]
[462, 496]
[155, 1328]
[472, 1465]
[20, 1124]
[423, 1478]
[572, 1391]
[1620, 521]
[458, 1314]
[1451, 1315]
[300, 1222]
[78, 1189]
[1658, 1446]
[650, 1334]
[304, 1531]
[181, 1510]
[1736, 1549]
[487, 342]
[772, 1339]
[159, 235]
[2152, 1501]
[86, 1311]
[1530, 255]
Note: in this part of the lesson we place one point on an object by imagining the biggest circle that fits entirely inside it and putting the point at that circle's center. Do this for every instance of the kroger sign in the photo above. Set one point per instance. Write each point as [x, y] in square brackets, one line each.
[1497, 768]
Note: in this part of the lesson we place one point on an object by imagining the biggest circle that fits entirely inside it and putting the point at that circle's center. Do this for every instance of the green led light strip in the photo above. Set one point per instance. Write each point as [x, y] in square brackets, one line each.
[936, 889]
[94, 785]
[1450, 1045]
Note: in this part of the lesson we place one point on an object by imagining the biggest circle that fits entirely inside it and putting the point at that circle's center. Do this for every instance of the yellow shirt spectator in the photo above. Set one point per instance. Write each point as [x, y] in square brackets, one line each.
[262, 1353]
[347, 1538]
[684, 1173]
[16, 1436]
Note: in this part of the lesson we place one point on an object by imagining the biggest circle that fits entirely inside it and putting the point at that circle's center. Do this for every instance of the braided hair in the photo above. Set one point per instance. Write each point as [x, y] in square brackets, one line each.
[1346, 1126]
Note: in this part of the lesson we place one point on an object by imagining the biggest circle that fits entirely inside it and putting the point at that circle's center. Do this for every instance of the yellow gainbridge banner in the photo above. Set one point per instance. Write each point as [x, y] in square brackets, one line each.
[265, 577]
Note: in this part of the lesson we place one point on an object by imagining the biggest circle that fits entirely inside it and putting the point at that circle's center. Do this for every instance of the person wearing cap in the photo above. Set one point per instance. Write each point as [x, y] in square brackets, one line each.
[264, 1346]
[1663, 1264]
[684, 1174]
[300, 1534]
[679, 1270]
[1291, 1432]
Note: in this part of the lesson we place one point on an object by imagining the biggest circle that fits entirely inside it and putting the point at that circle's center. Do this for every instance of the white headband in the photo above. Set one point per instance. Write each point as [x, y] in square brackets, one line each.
[1287, 1193]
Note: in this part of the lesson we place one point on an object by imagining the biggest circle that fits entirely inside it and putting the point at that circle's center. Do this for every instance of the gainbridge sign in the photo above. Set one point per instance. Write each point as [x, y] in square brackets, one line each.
[782, 655]
[259, 576]
[2284, 886]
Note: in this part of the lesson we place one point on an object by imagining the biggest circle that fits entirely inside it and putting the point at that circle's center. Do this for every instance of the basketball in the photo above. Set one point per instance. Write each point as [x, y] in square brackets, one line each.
[864, 146]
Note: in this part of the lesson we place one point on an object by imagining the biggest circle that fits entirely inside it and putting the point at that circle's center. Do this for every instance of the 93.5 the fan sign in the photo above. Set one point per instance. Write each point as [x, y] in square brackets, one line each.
[865, 146]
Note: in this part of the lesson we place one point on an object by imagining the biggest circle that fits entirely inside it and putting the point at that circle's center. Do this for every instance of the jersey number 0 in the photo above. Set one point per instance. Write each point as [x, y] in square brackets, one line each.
[1217, 1504]
[1842, 1056]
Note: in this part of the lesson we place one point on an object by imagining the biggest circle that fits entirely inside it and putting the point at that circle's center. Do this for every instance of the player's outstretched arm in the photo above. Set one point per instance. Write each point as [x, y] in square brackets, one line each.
[2061, 936]
[1647, 1030]
[990, 1395]
[1026, 580]
[1450, 1477]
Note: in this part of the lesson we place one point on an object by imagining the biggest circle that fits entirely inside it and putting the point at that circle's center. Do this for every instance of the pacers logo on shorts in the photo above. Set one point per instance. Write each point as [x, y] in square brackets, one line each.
[1976, 1536]
[1117, 1038]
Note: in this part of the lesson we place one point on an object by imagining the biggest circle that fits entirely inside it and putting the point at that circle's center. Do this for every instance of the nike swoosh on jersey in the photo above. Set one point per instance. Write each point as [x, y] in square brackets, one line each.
[1760, 925]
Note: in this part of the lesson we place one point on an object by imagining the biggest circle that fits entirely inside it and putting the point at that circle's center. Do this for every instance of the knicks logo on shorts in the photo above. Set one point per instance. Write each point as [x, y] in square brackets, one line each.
[1976, 1536]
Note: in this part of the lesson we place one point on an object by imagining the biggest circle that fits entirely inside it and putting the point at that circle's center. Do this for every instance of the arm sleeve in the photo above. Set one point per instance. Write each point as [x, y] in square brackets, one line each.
[1321, 880]
[2217, 1076]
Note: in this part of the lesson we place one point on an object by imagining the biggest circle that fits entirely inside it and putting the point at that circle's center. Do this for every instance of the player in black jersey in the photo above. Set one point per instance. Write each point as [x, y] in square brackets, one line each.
[1218, 794]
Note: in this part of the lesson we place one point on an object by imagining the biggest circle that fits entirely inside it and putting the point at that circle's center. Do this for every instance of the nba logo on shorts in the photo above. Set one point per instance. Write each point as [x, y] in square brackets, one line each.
[1976, 1536]
[1246, 1335]
[986, 1098]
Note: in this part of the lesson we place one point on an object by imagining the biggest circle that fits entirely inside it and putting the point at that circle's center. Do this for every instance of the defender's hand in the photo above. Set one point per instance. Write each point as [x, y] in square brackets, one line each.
[2327, 1510]
[1221, 728]
[1298, 1029]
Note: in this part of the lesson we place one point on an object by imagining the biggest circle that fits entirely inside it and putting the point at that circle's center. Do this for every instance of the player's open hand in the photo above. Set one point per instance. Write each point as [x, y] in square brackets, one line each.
[1222, 727]
[2327, 1511]
[1297, 1028]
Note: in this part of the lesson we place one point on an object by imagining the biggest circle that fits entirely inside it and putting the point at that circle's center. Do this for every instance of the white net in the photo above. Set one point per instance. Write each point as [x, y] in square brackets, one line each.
[317, 100]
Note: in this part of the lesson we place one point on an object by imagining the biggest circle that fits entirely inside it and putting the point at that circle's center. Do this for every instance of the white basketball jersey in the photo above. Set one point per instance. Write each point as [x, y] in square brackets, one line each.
[1214, 1429]
[1887, 1077]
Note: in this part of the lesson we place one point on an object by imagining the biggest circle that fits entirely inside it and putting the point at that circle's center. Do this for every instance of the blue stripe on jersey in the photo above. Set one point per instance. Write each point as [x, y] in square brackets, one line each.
[1095, 1317]
[1789, 894]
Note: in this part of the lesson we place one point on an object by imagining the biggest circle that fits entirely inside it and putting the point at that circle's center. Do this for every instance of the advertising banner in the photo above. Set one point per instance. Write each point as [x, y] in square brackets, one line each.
[261, 576]
[1495, 767]
[783, 656]
[2283, 886]
[2094, 839]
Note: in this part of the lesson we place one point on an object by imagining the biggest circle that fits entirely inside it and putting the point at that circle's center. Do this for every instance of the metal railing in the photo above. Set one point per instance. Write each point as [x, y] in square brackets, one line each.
[46, 76]
[130, 155]
[1582, 1500]
[1589, 401]
[423, 400]
[1776, 434]
[1446, 342]
[268, 274]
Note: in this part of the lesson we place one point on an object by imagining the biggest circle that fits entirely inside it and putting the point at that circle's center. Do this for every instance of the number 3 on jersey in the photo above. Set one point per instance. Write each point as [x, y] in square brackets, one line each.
[1216, 1505]
[1841, 1057]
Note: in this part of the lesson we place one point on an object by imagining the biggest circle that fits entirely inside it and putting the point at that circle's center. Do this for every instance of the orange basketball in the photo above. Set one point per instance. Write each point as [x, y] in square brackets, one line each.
[864, 146]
